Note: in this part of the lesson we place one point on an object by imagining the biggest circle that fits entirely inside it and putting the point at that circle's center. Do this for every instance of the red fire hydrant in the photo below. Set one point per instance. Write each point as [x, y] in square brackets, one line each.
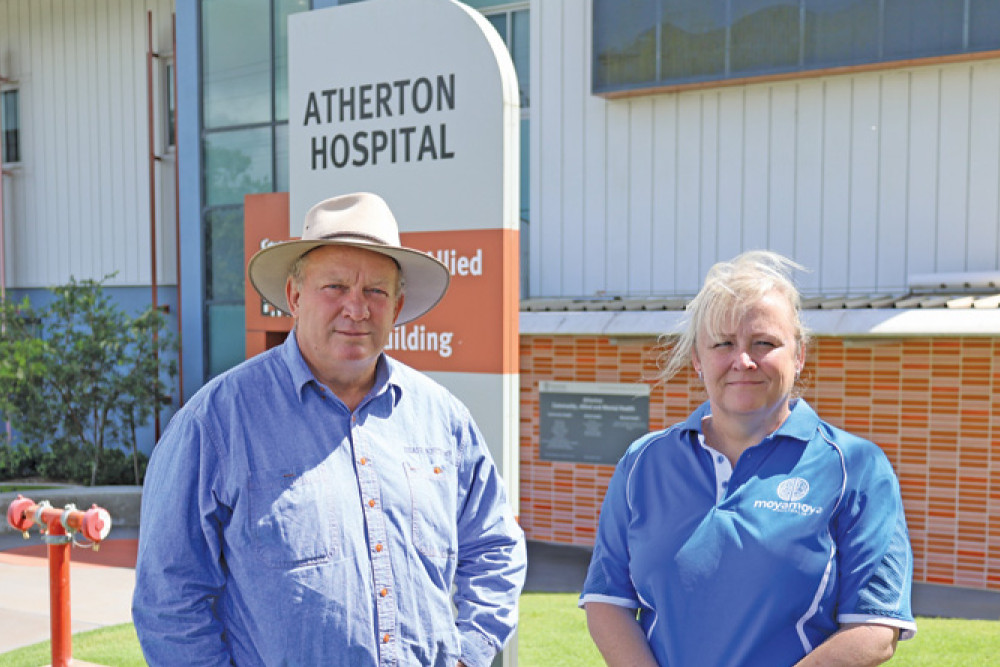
[59, 529]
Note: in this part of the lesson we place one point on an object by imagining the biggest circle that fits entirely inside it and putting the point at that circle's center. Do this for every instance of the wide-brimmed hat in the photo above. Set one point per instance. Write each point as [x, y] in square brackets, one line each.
[361, 220]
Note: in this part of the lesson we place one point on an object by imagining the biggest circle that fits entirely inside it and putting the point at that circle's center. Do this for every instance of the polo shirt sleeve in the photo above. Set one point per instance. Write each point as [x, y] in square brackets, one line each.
[608, 577]
[875, 558]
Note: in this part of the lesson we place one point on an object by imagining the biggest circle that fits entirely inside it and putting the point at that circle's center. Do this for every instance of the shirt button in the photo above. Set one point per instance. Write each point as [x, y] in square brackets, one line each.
[383, 592]
[386, 638]
[363, 461]
[371, 503]
[378, 548]
[721, 459]
[437, 470]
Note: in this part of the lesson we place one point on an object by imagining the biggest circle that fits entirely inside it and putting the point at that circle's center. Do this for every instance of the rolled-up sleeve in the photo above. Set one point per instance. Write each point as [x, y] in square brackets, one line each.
[492, 558]
[179, 572]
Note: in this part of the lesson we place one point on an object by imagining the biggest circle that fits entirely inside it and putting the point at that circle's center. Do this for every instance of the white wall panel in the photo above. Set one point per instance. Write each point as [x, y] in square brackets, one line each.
[781, 170]
[864, 178]
[730, 176]
[688, 131]
[862, 222]
[984, 168]
[808, 188]
[953, 176]
[833, 269]
[663, 239]
[639, 267]
[595, 170]
[708, 228]
[893, 137]
[619, 181]
[78, 204]
[576, 90]
[922, 168]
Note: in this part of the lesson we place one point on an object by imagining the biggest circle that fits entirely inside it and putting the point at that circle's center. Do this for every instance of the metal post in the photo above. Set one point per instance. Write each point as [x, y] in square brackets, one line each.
[58, 528]
[59, 604]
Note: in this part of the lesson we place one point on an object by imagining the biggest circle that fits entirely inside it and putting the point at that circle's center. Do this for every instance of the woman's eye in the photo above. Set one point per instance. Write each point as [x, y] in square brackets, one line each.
[722, 343]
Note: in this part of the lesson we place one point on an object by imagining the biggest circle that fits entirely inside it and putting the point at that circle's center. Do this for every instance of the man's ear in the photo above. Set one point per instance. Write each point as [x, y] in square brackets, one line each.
[292, 294]
[399, 307]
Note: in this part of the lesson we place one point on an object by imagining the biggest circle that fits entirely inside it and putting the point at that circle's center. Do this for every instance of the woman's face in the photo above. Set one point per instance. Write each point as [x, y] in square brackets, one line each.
[749, 366]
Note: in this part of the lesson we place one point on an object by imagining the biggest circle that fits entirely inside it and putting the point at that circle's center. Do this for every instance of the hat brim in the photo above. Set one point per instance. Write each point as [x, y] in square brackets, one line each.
[425, 278]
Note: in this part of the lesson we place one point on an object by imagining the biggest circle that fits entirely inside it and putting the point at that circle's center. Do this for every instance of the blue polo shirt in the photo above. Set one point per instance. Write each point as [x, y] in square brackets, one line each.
[759, 563]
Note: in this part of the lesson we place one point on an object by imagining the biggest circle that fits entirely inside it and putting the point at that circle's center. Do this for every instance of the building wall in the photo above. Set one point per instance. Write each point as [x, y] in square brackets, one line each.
[866, 178]
[78, 204]
[932, 404]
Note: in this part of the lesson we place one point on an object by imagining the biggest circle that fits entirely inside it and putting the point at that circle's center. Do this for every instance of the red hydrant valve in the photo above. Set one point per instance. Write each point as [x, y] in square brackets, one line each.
[18, 515]
[96, 524]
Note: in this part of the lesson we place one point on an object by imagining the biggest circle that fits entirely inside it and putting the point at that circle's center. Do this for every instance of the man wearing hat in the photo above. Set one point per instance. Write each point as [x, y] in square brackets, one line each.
[322, 503]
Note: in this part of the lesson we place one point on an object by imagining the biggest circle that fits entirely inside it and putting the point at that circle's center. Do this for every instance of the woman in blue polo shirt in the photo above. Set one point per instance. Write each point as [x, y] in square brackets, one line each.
[753, 533]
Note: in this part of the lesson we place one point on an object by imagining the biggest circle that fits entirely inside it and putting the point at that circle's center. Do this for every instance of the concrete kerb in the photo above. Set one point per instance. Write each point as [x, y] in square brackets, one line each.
[121, 502]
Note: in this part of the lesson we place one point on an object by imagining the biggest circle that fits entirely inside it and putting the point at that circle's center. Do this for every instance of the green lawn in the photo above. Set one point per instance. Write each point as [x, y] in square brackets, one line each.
[553, 633]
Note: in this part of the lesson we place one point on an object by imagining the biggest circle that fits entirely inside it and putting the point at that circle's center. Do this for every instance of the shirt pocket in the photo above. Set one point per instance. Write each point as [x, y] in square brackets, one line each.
[432, 502]
[293, 519]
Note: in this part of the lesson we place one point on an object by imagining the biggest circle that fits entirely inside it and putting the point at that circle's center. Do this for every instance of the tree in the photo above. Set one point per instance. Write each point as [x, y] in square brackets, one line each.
[80, 374]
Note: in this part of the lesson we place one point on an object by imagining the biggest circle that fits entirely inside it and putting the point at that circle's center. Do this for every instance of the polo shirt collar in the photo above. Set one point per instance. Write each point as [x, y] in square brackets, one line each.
[801, 424]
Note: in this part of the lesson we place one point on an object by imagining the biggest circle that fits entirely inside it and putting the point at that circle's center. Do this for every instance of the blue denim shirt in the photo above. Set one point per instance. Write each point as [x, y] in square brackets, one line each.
[279, 528]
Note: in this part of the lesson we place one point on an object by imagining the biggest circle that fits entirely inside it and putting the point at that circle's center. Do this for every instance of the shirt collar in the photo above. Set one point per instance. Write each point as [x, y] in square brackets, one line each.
[801, 424]
[385, 371]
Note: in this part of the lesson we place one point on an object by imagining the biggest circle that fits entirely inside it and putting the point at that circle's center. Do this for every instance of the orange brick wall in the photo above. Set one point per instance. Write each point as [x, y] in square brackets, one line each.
[932, 404]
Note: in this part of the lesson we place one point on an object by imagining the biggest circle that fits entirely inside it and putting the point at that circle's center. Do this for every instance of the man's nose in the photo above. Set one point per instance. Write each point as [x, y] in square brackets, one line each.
[355, 305]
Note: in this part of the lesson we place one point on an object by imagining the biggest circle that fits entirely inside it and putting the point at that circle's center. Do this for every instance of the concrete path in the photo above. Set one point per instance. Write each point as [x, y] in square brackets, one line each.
[101, 586]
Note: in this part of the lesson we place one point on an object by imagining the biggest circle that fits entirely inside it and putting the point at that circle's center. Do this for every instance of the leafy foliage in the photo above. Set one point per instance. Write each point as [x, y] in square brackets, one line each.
[79, 376]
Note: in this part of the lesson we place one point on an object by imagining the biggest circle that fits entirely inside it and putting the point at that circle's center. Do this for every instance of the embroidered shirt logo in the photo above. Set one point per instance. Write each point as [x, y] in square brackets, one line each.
[794, 489]
[790, 492]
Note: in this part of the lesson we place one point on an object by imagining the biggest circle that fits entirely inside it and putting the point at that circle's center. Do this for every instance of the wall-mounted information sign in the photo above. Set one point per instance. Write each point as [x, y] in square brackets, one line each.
[591, 422]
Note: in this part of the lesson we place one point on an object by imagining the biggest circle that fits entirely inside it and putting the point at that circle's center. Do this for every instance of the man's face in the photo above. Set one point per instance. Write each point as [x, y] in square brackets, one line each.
[345, 302]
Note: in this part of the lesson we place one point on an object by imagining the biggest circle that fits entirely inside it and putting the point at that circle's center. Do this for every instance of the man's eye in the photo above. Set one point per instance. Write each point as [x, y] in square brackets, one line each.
[374, 291]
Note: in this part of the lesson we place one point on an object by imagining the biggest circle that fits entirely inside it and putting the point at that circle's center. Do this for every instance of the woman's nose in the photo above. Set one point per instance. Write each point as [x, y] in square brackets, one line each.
[744, 360]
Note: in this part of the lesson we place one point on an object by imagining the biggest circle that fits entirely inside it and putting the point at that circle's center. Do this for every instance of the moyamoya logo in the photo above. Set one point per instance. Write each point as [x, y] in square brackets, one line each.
[790, 492]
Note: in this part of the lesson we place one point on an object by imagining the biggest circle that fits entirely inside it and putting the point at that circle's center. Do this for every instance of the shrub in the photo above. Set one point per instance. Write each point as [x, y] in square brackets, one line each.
[79, 376]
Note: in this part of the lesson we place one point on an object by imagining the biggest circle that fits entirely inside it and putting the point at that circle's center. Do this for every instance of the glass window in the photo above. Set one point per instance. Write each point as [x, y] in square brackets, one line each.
[646, 43]
[282, 10]
[841, 32]
[170, 117]
[226, 337]
[237, 162]
[920, 28]
[764, 36]
[236, 62]
[519, 45]
[693, 39]
[625, 42]
[11, 124]
[984, 25]
[224, 248]
[281, 179]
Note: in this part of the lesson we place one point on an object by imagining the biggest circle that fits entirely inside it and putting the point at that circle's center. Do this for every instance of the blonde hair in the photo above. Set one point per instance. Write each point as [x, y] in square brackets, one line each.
[730, 290]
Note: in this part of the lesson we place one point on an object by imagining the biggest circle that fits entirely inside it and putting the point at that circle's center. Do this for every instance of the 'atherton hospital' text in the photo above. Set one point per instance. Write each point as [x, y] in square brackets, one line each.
[401, 142]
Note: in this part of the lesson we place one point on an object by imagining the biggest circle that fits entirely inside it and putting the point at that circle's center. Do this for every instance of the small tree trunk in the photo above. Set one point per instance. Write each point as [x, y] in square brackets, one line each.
[135, 447]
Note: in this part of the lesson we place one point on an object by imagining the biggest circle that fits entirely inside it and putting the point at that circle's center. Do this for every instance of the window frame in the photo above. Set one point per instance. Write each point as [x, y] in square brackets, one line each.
[7, 88]
[800, 71]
